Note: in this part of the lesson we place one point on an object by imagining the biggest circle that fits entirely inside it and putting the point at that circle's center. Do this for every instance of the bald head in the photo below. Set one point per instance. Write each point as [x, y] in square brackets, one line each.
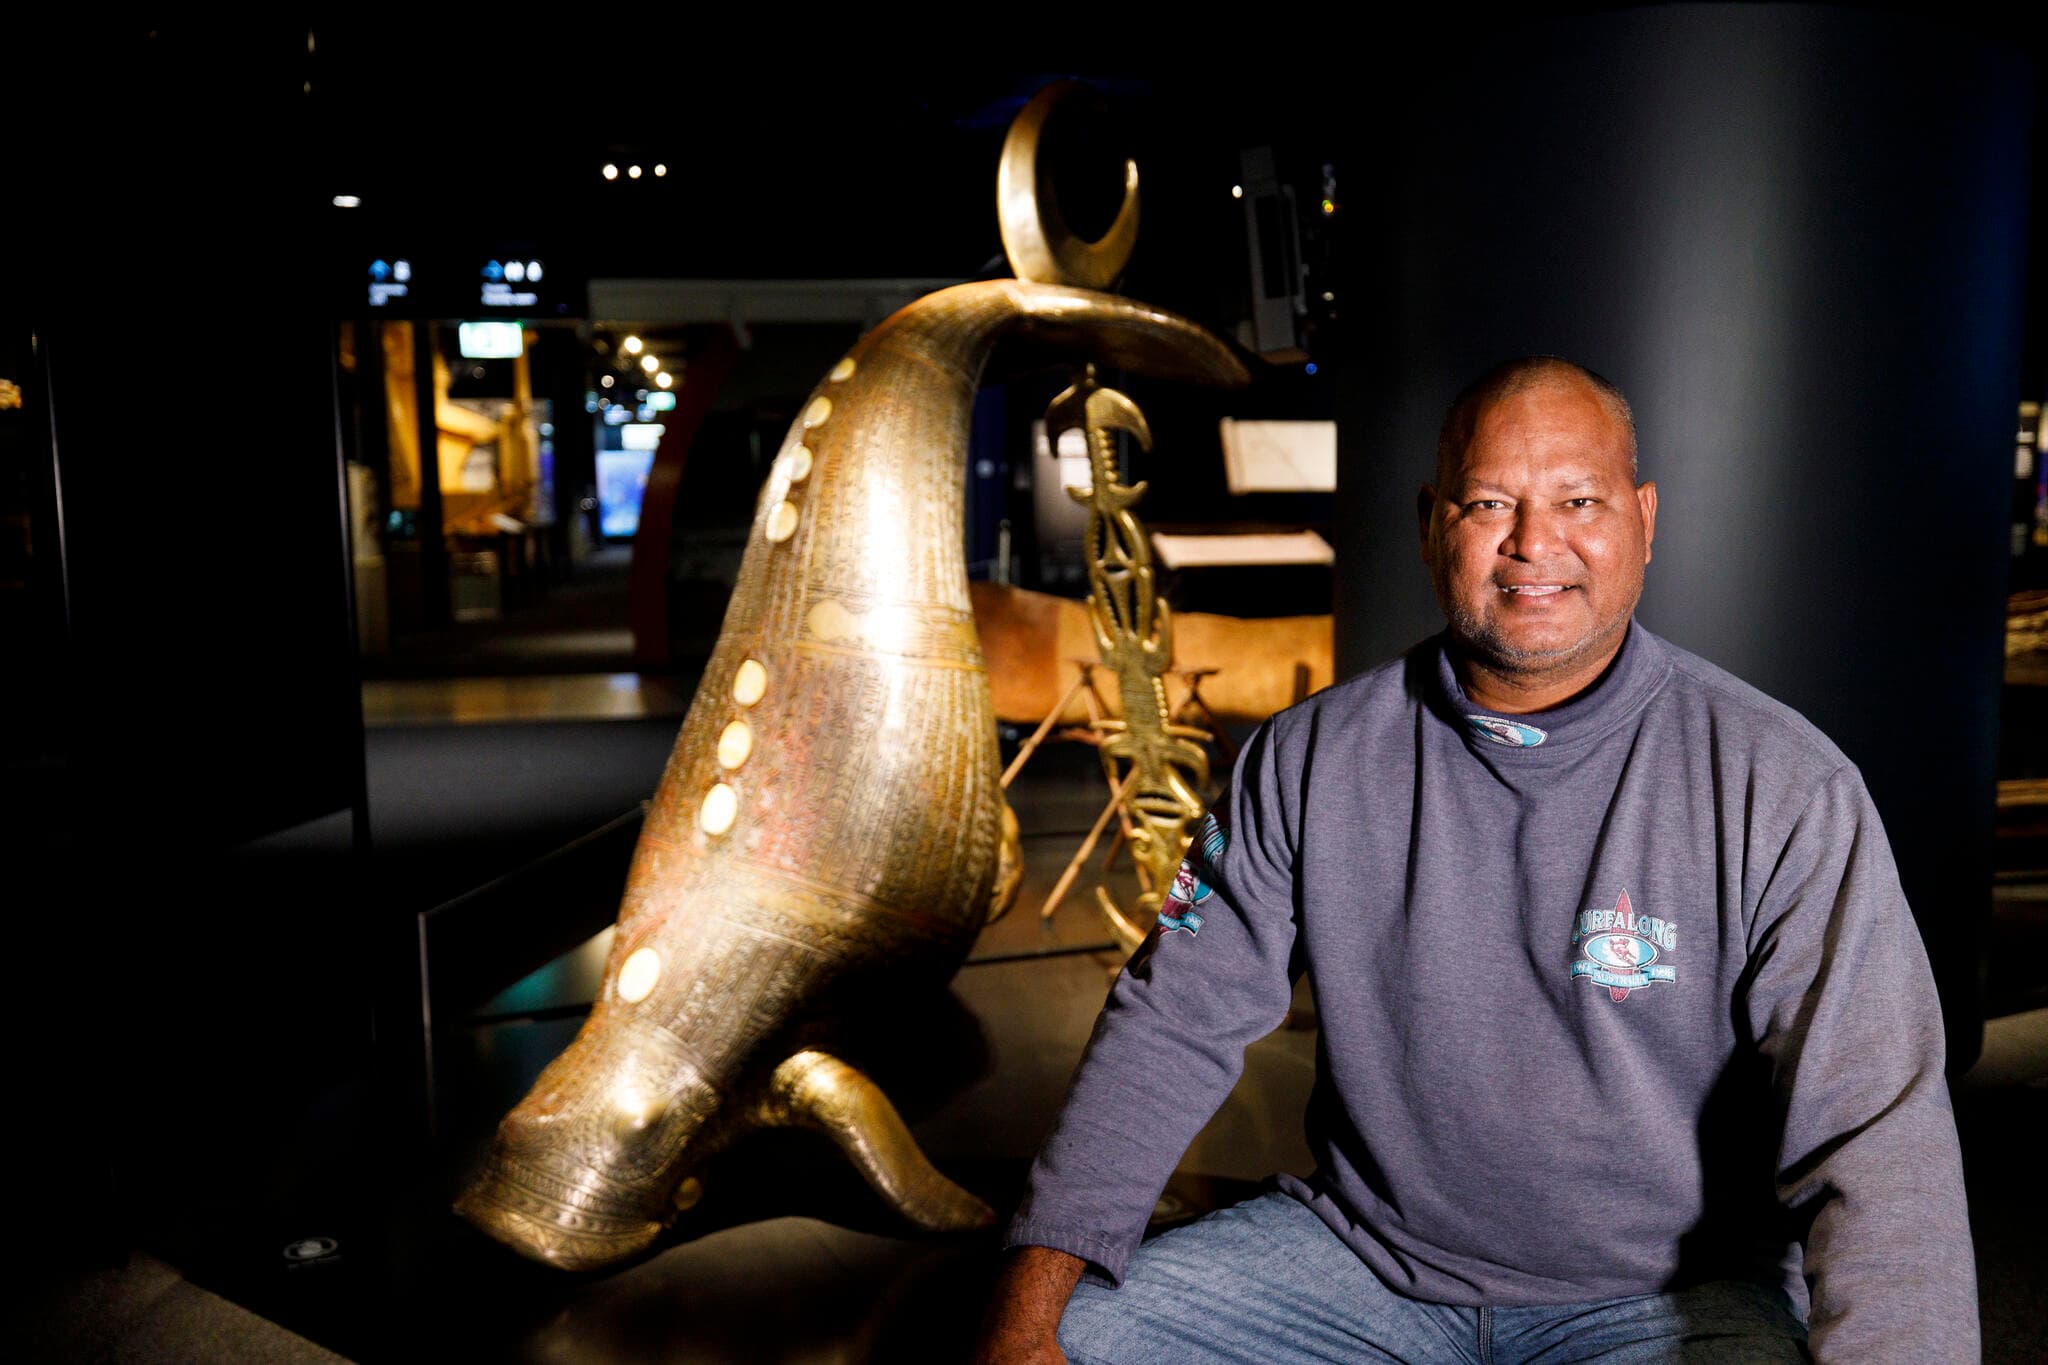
[1536, 533]
[1510, 378]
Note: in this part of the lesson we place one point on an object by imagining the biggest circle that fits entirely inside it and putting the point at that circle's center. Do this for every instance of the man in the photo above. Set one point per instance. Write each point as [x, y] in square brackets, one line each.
[1629, 1045]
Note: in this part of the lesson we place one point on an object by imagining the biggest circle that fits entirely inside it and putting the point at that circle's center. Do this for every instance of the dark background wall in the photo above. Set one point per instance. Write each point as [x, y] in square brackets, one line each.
[1796, 238]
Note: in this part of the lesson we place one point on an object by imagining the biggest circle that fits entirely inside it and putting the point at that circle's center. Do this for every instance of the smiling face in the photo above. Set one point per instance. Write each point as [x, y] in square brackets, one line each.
[1536, 538]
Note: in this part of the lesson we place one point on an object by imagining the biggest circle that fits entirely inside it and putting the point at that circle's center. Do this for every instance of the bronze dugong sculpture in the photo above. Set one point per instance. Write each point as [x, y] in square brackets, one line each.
[828, 822]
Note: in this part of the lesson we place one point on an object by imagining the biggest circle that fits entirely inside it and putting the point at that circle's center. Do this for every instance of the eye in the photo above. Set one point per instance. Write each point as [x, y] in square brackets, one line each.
[1582, 502]
[1485, 505]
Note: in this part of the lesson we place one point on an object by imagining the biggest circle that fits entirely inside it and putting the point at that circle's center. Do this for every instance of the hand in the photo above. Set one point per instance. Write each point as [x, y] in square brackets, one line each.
[1023, 1322]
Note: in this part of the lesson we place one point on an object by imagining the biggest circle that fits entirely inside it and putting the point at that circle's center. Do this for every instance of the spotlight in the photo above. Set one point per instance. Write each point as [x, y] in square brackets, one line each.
[1237, 191]
[633, 172]
[631, 345]
[611, 172]
[649, 363]
[660, 170]
[348, 201]
[665, 379]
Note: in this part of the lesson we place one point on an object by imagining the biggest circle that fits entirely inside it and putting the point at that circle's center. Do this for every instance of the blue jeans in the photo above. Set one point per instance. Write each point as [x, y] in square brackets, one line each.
[1268, 1281]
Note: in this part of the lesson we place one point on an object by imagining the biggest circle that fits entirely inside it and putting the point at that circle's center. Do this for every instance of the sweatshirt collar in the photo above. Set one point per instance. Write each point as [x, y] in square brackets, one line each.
[1636, 673]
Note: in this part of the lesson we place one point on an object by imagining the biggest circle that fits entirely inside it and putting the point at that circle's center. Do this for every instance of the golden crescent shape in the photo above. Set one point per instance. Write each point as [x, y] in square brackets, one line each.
[1035, 235]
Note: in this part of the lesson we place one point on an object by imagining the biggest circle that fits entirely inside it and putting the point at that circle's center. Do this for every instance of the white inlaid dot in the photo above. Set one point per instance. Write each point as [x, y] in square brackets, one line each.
[637, 977]
[782, 521]
[721, 807]
[796, 466]
[750, 683]
[842, 372]
[817, 412]
[735, 744]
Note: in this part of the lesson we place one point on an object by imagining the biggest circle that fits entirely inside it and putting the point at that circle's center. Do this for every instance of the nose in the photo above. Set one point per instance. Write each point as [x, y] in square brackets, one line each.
[1533, 536]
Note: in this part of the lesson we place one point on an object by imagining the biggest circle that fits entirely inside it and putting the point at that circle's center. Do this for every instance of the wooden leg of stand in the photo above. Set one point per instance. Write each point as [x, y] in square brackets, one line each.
[1097, 707]
[1030, 746]
[1066, 880]
[1116, 846]
[1126, 832]
[1215, 729]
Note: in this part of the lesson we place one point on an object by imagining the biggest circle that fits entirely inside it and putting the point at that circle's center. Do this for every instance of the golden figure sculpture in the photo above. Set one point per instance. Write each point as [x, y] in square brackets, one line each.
[828, 824]
[1156, 767]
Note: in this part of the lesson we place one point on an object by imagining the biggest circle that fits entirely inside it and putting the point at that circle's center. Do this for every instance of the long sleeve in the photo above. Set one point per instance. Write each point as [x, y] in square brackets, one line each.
[1169, 1044]
[1842, 1004]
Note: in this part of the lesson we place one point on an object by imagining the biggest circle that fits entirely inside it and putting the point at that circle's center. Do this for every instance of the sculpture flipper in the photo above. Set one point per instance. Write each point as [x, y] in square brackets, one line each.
[816, 1090]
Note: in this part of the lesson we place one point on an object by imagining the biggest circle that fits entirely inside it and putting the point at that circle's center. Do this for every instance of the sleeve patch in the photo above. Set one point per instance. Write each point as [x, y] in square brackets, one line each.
[1192, 883]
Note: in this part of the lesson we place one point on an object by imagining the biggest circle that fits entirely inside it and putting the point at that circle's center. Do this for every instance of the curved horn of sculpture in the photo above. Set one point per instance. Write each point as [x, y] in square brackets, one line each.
[828, 820]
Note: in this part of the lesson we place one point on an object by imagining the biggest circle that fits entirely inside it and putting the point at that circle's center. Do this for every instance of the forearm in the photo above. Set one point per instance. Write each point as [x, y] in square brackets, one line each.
[1170, 1042]
[1024, 1313]
[1844, 1006]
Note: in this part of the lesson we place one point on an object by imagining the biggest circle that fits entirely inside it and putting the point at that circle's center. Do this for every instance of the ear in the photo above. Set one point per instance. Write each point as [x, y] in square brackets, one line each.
[1425, 507]
[1646, 499]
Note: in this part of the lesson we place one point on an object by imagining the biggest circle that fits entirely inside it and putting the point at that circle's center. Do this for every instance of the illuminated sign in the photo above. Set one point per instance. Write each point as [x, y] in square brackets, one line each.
[661, 401]
[393, 277]
[490, 340]
[641, 435]
[500, 277]
[621, 483]
[389, 280]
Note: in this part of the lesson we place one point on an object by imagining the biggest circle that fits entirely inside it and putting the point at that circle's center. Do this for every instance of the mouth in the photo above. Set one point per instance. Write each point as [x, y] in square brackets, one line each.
[549, 1228]
[1534, 590]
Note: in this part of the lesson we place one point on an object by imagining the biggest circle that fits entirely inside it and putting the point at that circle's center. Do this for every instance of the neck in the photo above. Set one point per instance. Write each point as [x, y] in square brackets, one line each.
[1502, 687]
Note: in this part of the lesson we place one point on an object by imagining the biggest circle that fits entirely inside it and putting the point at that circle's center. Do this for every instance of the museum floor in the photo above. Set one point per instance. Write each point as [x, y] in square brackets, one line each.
[789, 1257]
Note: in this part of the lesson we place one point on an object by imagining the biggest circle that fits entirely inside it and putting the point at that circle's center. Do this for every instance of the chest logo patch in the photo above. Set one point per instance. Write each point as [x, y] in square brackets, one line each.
[1514, 734]
[1619, 949]
[1191, 883]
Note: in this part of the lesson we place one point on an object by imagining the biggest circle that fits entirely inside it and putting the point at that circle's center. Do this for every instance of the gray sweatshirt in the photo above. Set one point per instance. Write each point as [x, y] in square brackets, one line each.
[1615, 997]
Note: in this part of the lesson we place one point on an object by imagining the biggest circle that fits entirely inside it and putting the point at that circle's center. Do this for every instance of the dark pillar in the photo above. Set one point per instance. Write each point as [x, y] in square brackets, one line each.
[1795, 236]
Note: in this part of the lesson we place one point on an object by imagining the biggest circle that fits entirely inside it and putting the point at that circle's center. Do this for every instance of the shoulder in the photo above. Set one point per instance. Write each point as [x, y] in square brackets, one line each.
[1745, 722]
